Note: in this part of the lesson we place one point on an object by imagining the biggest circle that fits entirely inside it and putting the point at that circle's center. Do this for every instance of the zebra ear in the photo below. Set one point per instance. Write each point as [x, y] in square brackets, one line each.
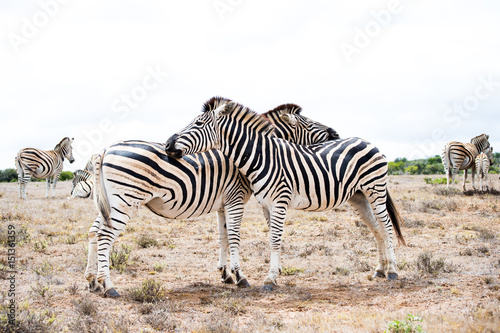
[289, 119]
[225, 109]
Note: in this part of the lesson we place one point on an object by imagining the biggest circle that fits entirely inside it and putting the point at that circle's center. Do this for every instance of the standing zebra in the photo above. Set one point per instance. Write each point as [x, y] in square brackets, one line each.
[83, 181]
[41, 164]
[462, 156]
[285, 175]
[483, 162]
[134, 173]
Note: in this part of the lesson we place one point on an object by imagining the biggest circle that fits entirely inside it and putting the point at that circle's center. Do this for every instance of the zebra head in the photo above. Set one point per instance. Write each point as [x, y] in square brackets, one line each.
[294, 127]
[481, 142]
[65, 149]
[201, 134]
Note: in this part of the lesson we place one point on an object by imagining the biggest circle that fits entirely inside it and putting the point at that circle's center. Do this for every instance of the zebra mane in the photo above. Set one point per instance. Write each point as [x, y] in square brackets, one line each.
[478, 138]
[285, 108]
[261, 122]
[213, 103]
[61, 144]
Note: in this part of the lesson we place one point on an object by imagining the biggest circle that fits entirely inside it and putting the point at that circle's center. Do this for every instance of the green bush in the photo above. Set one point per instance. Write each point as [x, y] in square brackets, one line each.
[66, 175]
[8, 175]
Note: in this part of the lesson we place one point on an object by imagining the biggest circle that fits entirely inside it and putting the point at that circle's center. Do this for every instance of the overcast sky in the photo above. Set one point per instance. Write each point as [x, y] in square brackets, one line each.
[406, 75]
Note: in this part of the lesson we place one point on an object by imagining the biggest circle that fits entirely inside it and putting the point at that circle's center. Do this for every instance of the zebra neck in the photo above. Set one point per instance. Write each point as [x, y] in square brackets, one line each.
[251, 154]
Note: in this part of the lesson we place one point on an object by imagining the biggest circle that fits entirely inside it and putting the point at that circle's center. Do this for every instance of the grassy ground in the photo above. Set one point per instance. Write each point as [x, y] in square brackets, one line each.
[166, 269]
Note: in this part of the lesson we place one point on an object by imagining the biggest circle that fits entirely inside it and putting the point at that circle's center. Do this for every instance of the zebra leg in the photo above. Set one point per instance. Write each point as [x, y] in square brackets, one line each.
[277, 221]
[54, 183]
[361, 205]
[91, 271]
[23, 178]
[473, 171]
[223, 248]
[465, 178]
[234, 215]
[106, 237]
[48, 187]
[378, 202]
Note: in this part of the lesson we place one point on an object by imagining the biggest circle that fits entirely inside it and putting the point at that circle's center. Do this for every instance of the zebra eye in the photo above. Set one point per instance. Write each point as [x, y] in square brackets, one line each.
[198, 123]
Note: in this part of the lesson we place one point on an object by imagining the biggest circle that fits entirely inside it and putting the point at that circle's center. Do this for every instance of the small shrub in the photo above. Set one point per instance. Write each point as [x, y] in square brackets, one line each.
[162, 320]
[86, 306]
[119, 258]
[66, 175]
[341, 271]
[42, 289]
[73, 289]
[426, 264]
[466, 252]
[219, 321]
[27, 321]
[408, 325]
[44, 270]
[149, 292]
[145, 241]
[291, 270]
[40, 246]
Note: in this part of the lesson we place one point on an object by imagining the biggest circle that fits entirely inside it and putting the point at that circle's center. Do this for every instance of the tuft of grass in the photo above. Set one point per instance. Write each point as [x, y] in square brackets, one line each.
[40, 245]
[145, 241]
[28, 321]
[291, 270]
[161, 320]
[408, 325]
[149, 292]
[120, 258]
[218, 321]
[426, 264]
[86, 306]
[341, 271]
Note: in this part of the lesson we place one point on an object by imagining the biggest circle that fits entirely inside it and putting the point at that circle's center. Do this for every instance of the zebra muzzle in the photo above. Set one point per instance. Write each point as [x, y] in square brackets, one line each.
[170, 147]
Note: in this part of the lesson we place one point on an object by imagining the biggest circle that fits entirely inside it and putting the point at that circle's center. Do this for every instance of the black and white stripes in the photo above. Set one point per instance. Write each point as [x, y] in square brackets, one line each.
[284, 175]
[42, 164]
[462, 156]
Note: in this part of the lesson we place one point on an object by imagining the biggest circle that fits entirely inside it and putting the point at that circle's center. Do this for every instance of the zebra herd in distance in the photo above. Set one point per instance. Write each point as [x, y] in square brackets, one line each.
[285, 159]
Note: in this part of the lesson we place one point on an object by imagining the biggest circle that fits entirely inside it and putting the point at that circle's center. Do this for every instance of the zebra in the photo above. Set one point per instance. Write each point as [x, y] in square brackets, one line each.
[462, 156]
[483, 162]
[291, 125]
[42, 164]
[83, 180]
[134, 173]
[285, 175]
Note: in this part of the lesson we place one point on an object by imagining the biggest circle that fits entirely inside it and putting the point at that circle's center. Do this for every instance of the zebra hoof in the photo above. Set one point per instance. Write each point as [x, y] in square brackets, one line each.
[379, 274]
[111, 293]
[243, 283]
[228, 280]
[392, 276]
[268, 287]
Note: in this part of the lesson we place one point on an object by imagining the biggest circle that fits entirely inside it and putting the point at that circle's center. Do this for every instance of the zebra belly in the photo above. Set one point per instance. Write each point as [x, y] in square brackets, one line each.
[159, 207]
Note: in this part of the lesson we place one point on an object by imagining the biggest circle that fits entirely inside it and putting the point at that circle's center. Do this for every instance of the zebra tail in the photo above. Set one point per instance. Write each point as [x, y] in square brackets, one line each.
[100, 195]
[396, 219]
[20, 171]
[446, 160]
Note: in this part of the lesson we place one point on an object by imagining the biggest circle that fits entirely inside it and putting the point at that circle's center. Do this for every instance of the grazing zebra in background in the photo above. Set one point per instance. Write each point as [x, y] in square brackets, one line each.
[285, 175]
[483, 162]
[83, 180]
[41, 164]
[462, 156]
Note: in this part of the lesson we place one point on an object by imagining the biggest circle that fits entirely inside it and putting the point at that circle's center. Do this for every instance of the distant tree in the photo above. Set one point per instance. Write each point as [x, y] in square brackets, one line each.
[66, 175]
[8, 175]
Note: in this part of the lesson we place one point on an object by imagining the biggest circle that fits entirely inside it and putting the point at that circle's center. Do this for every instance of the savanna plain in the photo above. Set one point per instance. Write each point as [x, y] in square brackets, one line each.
[166, 270]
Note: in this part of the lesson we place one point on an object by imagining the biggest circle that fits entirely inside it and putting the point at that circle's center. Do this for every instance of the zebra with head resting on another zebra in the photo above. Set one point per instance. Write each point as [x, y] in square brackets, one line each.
[133, 173]
[42, 164]
[83, 181]
[483, 162]
[285, 175]
[462, 156]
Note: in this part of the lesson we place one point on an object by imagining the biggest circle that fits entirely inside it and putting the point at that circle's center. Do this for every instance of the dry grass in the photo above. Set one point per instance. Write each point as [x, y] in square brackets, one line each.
[166, 269]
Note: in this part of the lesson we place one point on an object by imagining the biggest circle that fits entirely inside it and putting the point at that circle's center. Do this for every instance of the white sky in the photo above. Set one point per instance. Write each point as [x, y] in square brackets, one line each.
[414, 82]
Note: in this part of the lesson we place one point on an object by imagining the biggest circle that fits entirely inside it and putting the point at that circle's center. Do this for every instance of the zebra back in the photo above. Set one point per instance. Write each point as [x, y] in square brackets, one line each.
[291, 125]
